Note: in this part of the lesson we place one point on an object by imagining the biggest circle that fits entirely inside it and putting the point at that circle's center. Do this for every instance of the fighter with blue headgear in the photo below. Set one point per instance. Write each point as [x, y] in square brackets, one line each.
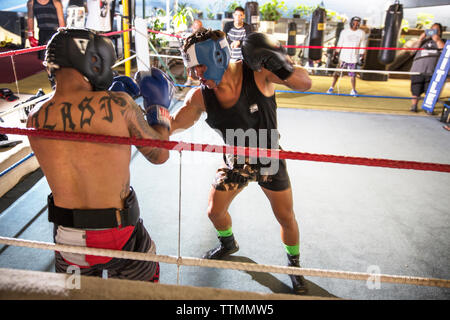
[238, 97]
[213, 53]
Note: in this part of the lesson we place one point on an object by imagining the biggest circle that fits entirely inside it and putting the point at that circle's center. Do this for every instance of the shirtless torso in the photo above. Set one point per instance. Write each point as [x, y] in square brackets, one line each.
[83, 174]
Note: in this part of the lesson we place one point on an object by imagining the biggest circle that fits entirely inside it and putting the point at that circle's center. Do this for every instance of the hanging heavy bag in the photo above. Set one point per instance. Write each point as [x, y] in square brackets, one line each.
[252, 15]
[316, 33]
[392, 24]
[292, 38]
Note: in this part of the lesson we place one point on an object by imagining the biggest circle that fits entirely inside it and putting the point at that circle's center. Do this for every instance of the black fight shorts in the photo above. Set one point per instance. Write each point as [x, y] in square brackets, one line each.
[237, 174]
[419, 84]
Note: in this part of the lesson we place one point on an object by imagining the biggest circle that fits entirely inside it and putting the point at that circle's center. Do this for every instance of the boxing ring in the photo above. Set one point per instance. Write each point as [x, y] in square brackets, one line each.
[367, 211]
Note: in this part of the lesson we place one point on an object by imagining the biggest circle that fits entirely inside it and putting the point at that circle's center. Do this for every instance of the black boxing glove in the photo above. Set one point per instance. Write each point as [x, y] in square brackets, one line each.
[259, 51]
[361, 60]
[335, 58]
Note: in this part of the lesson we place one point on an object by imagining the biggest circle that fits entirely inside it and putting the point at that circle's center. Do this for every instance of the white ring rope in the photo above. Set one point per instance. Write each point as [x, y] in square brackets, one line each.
[166, 56]
[244, 266]
[123, 61]
[361, 71]
[321, 68]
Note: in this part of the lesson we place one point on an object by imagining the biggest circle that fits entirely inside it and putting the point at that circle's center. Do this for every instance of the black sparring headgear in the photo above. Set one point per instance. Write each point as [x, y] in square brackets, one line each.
[355, 18]
[89, 53]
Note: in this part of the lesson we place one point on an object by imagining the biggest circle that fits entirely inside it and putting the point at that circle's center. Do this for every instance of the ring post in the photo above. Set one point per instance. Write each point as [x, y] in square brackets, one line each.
[126, 37]
[142, 48]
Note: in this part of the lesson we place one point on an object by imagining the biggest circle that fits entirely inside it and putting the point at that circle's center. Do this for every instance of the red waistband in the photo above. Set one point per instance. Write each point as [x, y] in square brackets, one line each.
[113, 238]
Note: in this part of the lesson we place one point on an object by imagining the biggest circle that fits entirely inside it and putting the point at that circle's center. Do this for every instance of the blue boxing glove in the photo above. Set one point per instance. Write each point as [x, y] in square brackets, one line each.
[157, 89]
[125, 84]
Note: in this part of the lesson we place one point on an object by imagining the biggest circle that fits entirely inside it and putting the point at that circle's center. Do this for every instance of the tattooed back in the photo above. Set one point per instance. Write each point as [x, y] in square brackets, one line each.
[84, 174]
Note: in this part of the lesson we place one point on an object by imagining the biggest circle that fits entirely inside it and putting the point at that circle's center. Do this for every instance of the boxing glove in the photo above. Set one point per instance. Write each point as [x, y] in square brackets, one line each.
[360, 60]
[33, 41]
[125, 84]
[259, 51]
[335, 58]
[157, 90]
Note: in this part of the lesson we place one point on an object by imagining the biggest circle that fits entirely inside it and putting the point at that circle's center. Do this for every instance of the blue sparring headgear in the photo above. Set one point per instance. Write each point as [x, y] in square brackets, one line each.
[87, 52]
[214, 54]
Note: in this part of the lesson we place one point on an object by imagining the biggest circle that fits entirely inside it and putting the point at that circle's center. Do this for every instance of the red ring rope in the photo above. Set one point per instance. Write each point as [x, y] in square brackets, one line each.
[27, 50]
[364, 48]
[255, 152]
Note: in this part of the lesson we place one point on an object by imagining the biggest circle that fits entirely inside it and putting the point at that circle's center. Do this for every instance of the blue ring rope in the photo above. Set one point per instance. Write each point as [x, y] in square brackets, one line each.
[16, 164]
[324, 93]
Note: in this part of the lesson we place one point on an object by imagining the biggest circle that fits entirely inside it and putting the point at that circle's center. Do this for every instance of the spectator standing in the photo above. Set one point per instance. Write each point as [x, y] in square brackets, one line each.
[49, 16]
[425, 61]
[236, 31]
[99, 16]
[349, 58]
[76, 14]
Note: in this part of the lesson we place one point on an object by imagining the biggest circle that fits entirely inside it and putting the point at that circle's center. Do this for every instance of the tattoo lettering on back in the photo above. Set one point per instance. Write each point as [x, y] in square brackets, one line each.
[67, 115]
[85, 107]
[35, 120]
[105, 104]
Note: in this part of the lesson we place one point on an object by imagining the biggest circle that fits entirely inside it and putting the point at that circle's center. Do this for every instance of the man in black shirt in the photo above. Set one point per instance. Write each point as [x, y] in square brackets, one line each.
[49, 16]
[425, 61]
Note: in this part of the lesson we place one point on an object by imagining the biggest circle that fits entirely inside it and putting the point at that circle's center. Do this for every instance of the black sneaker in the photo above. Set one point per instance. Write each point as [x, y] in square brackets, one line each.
[227, 246]
[298, 282]
[413, 108]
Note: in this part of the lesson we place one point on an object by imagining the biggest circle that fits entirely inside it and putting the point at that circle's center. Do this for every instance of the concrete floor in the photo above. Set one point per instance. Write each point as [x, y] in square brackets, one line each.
[351, 218]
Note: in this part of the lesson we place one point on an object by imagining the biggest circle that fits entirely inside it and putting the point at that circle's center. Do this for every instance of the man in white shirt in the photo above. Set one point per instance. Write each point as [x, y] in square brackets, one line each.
[350, 58]
[99, 15]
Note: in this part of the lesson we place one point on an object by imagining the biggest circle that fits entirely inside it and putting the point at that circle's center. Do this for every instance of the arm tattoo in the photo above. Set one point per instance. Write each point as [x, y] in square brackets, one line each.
[137, 126]
[116, 99]
[152, 154]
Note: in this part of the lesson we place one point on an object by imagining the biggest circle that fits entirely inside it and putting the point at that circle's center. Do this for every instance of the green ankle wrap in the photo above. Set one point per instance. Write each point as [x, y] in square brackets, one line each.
[292, 250]
[225, 233]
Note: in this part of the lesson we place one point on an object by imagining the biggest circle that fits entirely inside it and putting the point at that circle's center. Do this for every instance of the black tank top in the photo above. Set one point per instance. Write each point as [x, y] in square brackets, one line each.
[253, 110]
[46, 15]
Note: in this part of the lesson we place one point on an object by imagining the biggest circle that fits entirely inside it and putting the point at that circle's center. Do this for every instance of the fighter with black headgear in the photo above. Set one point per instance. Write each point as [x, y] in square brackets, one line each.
[90, 54]
[239, 99]
[92, 203]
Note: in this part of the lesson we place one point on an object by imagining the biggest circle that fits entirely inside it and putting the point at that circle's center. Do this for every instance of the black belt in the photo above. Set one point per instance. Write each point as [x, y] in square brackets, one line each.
[95, 218]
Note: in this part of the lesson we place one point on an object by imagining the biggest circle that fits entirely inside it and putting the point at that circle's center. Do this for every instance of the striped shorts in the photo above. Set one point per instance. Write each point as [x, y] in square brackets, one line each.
[346, 65]
[130, 238]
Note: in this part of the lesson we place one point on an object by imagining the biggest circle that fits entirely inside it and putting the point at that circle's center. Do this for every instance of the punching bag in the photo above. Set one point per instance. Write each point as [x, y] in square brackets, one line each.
[392, 24]
[292, 38]
[316, 32]
[252, 14]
